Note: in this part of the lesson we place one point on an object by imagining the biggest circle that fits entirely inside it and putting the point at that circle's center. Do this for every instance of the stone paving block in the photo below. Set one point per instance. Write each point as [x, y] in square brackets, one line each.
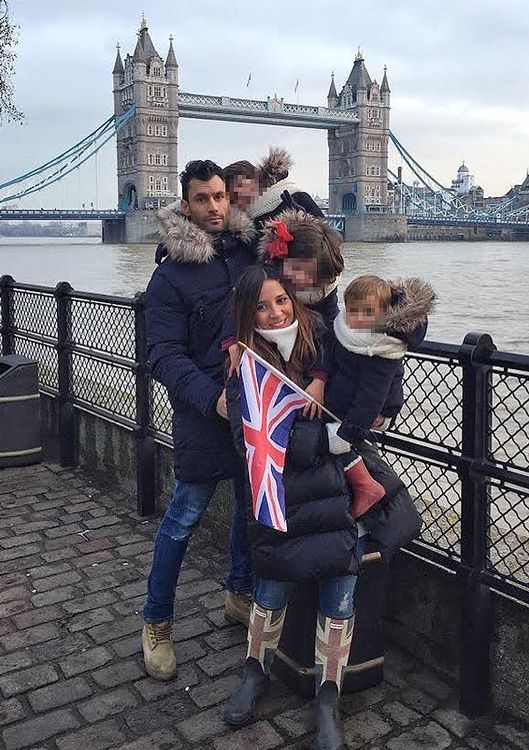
[132, 606]
[14, 660]
[432, 683]
[85, 661]
[59, 694]
[195, 588]
[98, 737]
[28, 732]
[27, 679]
[260, 736]
[190, 628]
[138, 548]
[37, 617]
[10, 711]
[518, 737]
[400, 713]
[150, 689]
[86, 547]
[90, 601]
[19, 552]
[29, 526]
[66, 644]
[89, 619]
[297, 721]
[107, 704]
[458, 723]
[221, 661]
[108, 632]
[15, 592]
[97, 523]
[60, 531]
[162, 740]
[55, 596]
[54, 555]
[210, 693]
[16, 541]
[42, 571]
[51, 582]
[9, 581]
[203, 726]
[132, 590]
[29, 636]
[100, 583]
[8, 609]
[127, 646]
[160, 714]
[365, 726]
[419, 700]
[118, 673]
[227, 638]
[429, 737]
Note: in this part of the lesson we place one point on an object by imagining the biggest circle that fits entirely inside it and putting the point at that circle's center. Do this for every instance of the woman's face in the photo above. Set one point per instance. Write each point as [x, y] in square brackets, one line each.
[301, 272]
[274, 309]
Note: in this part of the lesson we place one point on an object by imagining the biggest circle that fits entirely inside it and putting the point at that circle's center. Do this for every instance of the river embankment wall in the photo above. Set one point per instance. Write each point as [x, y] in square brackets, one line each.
[425, 602]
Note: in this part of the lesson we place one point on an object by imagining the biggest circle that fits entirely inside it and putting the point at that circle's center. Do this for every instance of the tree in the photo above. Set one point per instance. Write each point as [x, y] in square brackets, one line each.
[8, 41]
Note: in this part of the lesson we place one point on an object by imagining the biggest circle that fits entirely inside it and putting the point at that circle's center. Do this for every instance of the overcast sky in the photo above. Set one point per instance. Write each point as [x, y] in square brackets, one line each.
[458, 74]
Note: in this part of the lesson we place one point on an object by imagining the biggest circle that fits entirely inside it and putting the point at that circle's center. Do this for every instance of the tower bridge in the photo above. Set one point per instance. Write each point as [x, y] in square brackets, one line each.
[366, 200]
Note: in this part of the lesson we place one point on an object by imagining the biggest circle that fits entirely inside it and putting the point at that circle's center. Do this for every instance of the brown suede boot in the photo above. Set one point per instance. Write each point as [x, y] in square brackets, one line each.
[158, 650]
[237, 608]
[366, 490]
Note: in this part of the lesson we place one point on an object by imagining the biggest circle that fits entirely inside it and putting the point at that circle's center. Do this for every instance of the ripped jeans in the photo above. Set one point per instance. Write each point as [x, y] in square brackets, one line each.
[335, 595]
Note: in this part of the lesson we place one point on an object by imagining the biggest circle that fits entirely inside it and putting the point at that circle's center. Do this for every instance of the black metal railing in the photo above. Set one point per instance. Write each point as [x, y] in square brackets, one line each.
[461, 442]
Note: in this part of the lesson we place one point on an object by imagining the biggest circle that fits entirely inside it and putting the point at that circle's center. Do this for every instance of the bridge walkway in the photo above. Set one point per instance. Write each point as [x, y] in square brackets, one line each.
[73, 567]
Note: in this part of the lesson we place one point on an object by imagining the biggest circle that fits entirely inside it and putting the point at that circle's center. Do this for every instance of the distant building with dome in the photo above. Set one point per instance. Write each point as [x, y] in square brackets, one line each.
[464, 181]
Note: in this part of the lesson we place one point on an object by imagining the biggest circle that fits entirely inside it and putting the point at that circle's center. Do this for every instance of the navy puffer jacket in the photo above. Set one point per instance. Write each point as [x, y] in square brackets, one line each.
[188, 298]
[321, 537]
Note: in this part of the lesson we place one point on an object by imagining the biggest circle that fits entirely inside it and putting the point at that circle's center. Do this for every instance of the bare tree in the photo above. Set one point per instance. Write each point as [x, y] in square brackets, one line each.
[8, 41]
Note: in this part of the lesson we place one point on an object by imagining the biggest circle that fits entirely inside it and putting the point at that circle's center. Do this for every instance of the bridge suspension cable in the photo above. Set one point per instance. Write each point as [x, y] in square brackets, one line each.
[70, 159]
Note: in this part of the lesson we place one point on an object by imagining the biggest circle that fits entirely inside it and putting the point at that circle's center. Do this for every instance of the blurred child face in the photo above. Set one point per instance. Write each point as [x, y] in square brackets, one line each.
[301, 272]
[364, 314]
[244, 191]
[274, 309]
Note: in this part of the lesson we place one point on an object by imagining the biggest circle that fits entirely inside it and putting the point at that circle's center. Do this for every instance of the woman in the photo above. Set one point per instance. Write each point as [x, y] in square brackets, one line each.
[322, 541]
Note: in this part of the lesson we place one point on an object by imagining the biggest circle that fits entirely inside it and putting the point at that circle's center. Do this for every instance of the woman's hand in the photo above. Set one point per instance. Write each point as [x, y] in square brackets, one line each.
[316, 389]
[222, 409]
[235, 359]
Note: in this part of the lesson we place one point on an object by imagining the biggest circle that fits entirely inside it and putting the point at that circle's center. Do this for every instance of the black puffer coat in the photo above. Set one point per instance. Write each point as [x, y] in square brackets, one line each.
[188, 298]
[321, 537]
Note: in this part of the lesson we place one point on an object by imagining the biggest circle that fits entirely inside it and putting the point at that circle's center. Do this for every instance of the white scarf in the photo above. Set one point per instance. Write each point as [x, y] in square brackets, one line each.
[366, 342]
[271, 198]
[283, 338]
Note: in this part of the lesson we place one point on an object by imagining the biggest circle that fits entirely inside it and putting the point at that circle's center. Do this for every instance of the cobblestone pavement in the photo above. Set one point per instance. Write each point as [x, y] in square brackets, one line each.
[73, 566]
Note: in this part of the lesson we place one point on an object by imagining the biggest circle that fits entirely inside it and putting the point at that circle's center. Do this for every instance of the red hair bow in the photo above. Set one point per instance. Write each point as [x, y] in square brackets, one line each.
[278, 248]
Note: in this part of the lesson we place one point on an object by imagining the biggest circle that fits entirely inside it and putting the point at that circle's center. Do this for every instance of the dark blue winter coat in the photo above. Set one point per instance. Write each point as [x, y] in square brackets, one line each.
[188, 298]
[359, 387]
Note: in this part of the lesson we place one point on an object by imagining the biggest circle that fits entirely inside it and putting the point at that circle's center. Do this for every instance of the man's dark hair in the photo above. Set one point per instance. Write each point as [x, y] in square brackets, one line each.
[202, 170]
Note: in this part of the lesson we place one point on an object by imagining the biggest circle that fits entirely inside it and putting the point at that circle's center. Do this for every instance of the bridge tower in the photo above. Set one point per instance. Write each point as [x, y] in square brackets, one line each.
[147, 146]
[358, 153]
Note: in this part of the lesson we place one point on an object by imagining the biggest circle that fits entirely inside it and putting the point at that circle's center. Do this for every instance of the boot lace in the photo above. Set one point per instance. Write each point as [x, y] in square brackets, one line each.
[160, 632]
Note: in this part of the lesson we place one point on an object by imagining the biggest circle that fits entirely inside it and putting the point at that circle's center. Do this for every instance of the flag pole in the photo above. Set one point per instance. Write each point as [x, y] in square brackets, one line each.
[287, 381]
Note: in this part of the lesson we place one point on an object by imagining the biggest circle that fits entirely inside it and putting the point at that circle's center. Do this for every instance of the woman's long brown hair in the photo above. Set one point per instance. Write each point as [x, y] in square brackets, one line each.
[245, 301]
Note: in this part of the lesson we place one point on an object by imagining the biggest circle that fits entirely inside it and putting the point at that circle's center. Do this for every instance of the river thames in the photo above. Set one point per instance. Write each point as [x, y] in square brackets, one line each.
[482, 286]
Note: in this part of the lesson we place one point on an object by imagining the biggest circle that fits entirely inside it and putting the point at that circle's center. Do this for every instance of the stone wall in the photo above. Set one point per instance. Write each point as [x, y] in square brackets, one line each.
[375, 228]
[424, 601]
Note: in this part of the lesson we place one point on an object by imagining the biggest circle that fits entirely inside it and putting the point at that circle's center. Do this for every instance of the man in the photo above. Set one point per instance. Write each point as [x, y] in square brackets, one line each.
[207, 247]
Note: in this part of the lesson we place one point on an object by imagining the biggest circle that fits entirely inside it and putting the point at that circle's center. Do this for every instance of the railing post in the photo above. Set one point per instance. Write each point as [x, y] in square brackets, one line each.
[8, 314]
[474, 699]
[63, 299]
[145, 447]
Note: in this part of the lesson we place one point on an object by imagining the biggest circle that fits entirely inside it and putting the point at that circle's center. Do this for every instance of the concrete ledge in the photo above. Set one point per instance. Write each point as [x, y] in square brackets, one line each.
[375, 228]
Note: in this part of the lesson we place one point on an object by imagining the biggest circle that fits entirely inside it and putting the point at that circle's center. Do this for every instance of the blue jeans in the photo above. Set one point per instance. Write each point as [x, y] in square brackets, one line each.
[335, 595]
[183, 514]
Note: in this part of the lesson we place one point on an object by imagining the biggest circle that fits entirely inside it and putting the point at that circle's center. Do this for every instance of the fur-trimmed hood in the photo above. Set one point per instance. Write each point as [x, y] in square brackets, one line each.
[414, 301]
[187, 243]
[271, 198]
[275, 165]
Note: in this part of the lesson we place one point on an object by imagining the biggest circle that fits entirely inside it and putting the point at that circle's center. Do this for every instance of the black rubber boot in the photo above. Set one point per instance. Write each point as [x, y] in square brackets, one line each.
[329, 734]
[242, 703]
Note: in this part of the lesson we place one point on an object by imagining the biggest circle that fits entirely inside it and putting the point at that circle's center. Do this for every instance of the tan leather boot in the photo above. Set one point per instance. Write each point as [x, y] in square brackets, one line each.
[237, 608]
[158, 650]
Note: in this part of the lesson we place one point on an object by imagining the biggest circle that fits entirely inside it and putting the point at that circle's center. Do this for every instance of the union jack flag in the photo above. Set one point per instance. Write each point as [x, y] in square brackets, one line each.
[268, 408]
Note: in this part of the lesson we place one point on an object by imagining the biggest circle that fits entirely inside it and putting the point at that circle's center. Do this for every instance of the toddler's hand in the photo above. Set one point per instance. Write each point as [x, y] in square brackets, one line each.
[316, 389]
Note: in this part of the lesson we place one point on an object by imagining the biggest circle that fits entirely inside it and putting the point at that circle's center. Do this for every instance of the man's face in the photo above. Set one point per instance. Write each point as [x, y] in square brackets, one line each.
[207, 204]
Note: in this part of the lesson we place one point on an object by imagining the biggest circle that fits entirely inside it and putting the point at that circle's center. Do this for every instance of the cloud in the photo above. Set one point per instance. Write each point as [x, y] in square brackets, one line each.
[456, 73]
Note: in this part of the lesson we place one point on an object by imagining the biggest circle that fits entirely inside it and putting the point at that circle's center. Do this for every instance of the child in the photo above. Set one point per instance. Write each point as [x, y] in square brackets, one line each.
[365, 385]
